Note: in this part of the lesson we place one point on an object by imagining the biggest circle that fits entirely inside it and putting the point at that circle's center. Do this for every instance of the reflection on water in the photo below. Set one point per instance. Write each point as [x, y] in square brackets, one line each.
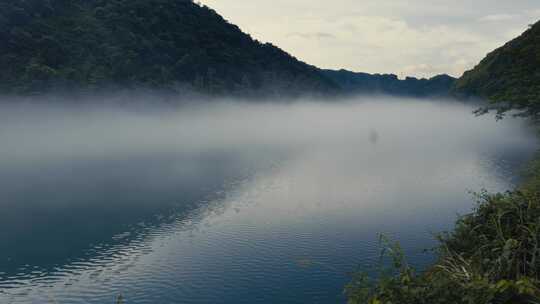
[231, 202]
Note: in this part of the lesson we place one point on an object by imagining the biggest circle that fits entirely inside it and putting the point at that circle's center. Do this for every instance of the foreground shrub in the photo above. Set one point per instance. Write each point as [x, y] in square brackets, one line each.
[493, 256]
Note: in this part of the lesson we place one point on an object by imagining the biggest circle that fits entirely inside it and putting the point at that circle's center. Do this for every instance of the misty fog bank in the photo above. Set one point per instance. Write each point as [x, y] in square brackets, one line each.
[106, 143]
[108, 127]
[75, 176]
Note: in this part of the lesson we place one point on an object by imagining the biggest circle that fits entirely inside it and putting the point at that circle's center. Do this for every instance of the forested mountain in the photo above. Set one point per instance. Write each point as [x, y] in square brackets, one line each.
[363, 83]
[170, 44]
[509, 76]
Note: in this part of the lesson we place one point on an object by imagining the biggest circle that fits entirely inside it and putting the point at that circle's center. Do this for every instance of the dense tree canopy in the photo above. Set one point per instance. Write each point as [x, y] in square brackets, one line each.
[509, 76]
[174, 44]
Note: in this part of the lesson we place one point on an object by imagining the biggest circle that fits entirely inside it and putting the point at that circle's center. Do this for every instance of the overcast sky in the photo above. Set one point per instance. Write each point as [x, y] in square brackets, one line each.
[405, 37]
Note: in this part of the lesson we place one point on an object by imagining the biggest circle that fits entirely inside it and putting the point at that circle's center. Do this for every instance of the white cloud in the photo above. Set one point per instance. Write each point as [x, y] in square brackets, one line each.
[498, 18]
[534, 13]
[317, 35]
[420, 37]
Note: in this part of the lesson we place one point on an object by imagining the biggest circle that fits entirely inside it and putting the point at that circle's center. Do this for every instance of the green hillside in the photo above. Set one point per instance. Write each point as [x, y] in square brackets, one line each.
[509, 76]
[170, 44]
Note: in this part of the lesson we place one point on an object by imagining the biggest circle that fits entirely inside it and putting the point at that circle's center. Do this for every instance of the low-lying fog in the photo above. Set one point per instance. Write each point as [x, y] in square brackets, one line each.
[302, 181]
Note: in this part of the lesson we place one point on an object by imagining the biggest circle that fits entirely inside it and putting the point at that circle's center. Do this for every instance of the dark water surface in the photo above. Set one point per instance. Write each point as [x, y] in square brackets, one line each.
[233, 203]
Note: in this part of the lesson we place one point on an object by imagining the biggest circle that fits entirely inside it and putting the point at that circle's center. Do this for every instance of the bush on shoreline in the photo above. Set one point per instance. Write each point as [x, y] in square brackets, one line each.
[492, 256]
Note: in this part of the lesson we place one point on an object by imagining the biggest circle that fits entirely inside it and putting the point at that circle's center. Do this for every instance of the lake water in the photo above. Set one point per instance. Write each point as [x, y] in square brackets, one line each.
[234, 202]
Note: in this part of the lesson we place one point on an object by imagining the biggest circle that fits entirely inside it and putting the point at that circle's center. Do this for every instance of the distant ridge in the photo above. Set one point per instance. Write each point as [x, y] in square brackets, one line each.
[390, 84]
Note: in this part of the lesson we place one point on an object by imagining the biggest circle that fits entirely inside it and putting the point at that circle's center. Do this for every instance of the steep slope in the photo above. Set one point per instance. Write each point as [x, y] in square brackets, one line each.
[363, 83]
[508, 76]
[172, 44]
